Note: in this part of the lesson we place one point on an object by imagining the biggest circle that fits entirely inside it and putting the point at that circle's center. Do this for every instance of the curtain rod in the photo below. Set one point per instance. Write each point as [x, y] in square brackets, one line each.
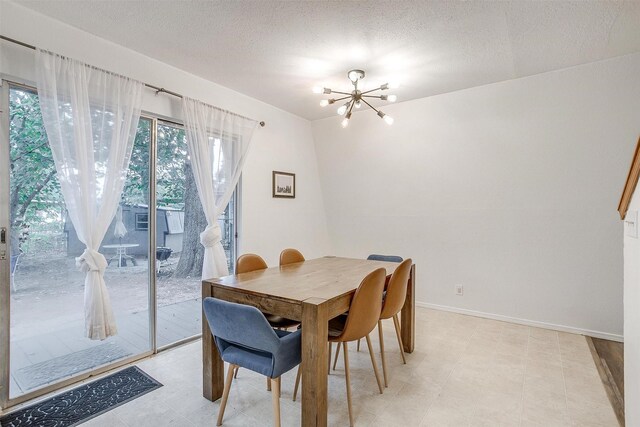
[156, 88]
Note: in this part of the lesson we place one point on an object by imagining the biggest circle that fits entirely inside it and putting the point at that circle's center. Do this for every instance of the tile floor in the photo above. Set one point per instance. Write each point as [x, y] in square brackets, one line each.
[466, 371]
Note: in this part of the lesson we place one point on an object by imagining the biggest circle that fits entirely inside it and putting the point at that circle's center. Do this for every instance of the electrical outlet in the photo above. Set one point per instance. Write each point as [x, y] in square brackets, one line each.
[459, 290]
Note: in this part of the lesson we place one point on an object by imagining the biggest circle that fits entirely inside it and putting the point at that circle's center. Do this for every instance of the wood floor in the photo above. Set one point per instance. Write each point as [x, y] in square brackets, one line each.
[609, 359]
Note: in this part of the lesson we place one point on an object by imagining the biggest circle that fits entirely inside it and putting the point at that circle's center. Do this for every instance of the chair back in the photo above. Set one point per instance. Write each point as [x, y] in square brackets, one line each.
[365, 308]
[290, 256]
[239, 324]
[249, 262]
[387, 258]
[396, 290]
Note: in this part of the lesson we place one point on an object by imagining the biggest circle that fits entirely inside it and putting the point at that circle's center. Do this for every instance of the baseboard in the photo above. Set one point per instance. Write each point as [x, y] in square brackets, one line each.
[534, 323]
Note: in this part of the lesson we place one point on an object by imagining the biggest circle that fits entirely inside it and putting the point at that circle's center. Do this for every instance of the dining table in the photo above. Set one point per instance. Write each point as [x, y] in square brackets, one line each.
[312, 292]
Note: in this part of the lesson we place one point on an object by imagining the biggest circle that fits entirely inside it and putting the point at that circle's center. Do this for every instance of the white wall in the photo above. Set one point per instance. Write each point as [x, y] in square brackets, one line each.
[286, 143]
[632, 323]
[509, 189]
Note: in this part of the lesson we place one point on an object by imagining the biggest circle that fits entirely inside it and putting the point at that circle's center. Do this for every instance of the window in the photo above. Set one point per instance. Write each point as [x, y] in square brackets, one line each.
[142, 221]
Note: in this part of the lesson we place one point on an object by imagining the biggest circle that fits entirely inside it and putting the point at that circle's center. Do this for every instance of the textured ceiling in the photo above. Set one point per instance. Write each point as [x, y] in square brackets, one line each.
[276, 51]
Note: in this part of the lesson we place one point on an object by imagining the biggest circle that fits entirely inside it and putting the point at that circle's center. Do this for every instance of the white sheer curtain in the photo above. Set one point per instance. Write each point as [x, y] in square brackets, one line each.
[218, 143]
[91, 117]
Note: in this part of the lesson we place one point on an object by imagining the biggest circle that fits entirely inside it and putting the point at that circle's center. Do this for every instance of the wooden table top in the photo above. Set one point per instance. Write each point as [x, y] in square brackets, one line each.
[320, 278]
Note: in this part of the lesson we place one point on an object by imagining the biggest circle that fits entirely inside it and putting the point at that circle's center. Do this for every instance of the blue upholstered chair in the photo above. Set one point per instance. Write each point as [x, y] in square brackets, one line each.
[245, 338]
[387, 258]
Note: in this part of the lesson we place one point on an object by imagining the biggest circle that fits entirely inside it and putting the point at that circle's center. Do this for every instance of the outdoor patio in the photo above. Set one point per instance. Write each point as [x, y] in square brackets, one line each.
[42, 359]
[47, 324]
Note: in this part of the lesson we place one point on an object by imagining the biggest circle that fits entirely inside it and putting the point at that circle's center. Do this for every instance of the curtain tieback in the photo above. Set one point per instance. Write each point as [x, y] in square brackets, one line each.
[91, 260]
[211, 236]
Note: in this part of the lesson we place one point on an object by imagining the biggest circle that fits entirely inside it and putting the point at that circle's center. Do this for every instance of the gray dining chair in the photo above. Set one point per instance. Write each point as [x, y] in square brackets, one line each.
[244, 338]
[387, 258]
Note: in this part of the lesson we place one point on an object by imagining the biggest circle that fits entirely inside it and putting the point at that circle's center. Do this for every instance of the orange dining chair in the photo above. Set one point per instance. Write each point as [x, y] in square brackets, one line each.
[364, 313]
[393, 302]
[290, 256]
[251, 262]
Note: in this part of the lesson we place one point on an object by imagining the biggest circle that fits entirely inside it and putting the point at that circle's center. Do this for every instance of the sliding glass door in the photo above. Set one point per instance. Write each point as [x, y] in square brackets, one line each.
[46, 334]
[180, 220]
[152, 245]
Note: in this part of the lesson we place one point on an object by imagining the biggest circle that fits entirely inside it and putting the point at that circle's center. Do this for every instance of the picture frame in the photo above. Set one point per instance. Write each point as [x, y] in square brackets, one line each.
[284, 184]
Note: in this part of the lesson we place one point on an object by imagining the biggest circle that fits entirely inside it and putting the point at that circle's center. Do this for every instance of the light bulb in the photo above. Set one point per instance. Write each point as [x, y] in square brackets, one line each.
[343, 109]
[324, 102]
[386, 118]
[392, 98]
[345, 122]
[358, 104]
[317, 89]
[389, 86]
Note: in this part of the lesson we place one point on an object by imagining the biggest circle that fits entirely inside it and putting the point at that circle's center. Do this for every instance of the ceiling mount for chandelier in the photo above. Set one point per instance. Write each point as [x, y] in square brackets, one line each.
[356, 98]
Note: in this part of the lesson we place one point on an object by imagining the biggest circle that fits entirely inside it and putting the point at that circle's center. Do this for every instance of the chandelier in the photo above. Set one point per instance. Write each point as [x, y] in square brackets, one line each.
[356, 98]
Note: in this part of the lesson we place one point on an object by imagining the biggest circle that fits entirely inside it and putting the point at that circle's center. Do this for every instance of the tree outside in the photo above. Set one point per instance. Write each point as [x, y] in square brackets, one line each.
[37, 206]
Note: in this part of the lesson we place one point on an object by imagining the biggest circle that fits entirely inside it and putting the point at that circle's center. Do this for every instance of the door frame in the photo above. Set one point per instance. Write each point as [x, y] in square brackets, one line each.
[6, 401]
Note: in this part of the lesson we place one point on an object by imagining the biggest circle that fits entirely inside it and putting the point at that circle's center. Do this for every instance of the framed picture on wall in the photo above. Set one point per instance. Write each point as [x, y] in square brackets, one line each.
[284, 184]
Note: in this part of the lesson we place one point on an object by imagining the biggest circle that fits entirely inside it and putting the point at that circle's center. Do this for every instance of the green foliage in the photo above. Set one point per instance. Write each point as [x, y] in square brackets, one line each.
[37, 206]
[35, 191]
[170, 176]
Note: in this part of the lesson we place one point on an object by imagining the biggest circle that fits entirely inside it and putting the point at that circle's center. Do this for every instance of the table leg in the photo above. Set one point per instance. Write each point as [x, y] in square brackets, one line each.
[212, 364]
[314, 362]
[408, 328]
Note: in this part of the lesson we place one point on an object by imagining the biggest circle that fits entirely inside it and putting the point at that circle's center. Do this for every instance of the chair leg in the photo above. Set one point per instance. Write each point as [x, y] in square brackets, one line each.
[396, 323]
[384, 359]
[225, 394]
[236, 374]
[358, 347]
[295, 387]
[268, 384]
[275, 398]
[329, 357]
[373, 362]
[347, 377]
[335, 361]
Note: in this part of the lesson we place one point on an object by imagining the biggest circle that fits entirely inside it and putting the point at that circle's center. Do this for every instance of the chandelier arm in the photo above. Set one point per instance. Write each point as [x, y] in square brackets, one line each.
[341, 93]
[370, 106]
[351, 107]
[371, 96]
[341, 99]
[371, 90]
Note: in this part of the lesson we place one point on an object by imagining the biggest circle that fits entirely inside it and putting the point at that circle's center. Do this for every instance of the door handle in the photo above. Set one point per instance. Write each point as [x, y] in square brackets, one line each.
[3, 242]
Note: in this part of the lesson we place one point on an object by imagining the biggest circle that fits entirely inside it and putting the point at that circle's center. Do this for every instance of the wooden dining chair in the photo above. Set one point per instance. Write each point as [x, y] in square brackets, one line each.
[244, 338]
[290, 256]
[364, 313]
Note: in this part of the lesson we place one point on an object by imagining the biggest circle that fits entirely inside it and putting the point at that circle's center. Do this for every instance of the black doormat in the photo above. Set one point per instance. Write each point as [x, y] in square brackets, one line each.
[85, 402]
